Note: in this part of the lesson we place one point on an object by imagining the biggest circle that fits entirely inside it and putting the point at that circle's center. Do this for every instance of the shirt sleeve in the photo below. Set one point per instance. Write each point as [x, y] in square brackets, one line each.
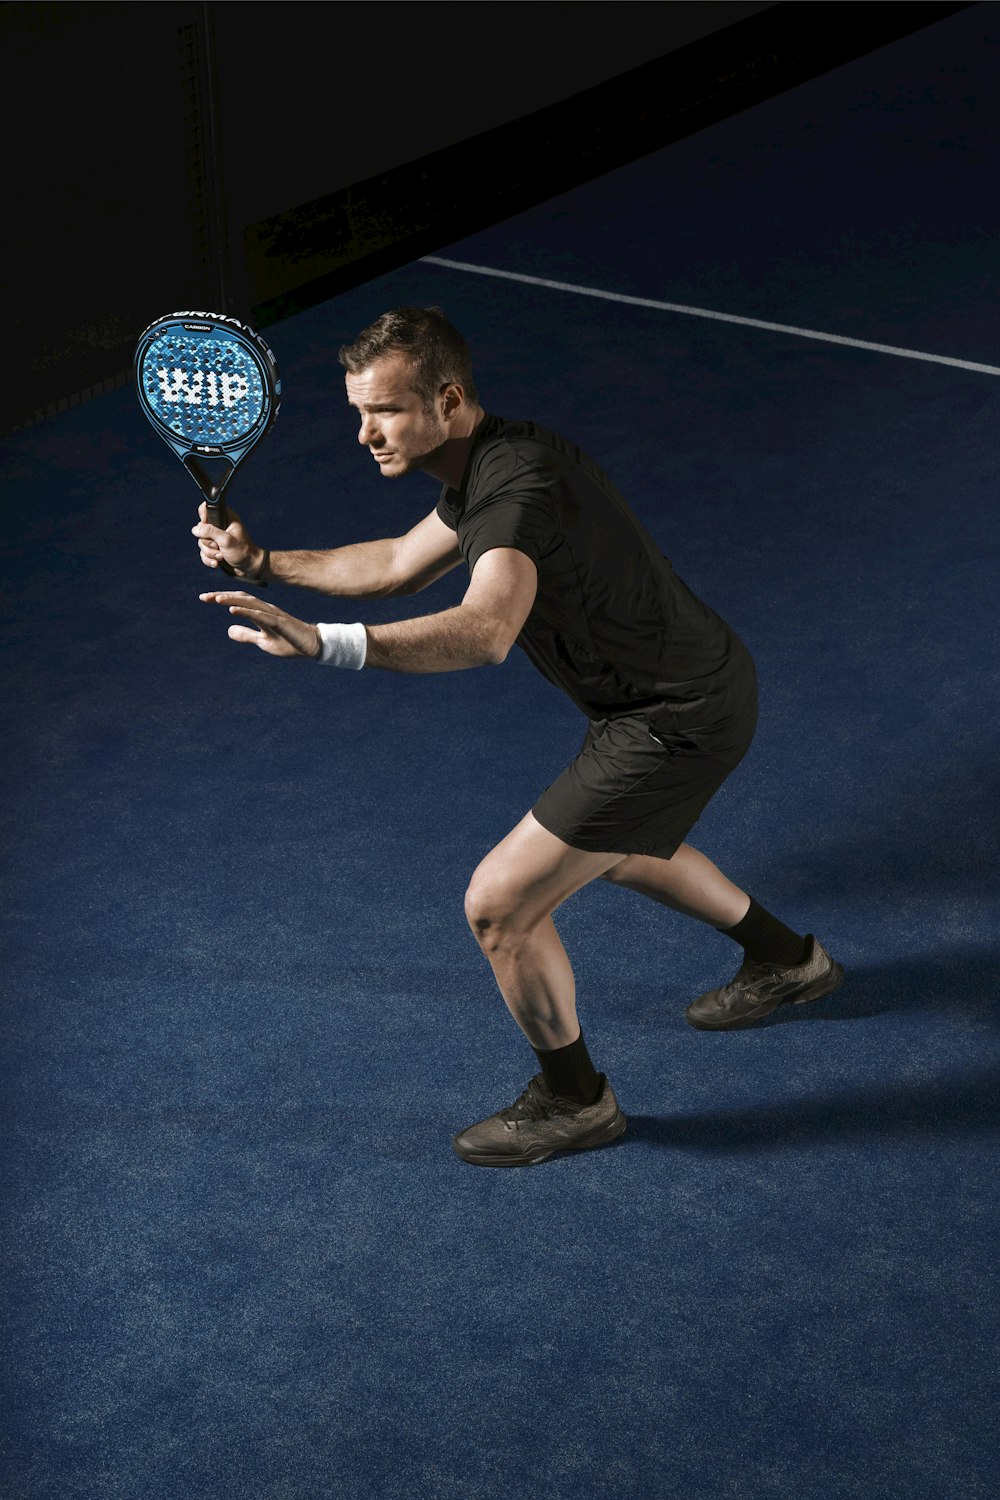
[512, 508]
[446, 509]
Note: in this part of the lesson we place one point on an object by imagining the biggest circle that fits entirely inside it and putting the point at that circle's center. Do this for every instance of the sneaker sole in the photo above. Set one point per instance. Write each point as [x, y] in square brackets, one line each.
[602, 1136]
[825, 985]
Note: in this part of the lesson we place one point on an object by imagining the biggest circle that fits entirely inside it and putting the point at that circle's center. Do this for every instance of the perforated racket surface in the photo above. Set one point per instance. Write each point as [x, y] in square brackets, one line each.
[209, 385]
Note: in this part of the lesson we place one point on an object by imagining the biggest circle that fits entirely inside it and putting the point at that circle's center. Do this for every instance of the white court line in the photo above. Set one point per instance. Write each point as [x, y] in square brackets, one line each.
[704, 312]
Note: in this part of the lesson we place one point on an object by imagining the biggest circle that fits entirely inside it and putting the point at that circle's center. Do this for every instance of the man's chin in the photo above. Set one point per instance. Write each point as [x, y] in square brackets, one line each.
[397, 466]
[394, 467]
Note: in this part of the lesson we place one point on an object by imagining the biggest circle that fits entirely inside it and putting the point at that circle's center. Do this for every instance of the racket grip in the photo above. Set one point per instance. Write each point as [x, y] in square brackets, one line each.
[217, 515]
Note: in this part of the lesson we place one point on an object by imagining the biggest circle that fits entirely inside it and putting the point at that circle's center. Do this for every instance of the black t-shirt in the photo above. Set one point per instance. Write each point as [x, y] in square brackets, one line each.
[612, 625]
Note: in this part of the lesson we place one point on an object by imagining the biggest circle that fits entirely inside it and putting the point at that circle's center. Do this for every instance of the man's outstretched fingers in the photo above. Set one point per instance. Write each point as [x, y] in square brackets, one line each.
[278, 633]
[243, 633]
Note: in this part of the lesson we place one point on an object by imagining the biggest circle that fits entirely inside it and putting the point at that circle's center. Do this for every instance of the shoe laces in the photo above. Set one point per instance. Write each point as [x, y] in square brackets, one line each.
[759, 968]
[536, 1103]
[753, 971]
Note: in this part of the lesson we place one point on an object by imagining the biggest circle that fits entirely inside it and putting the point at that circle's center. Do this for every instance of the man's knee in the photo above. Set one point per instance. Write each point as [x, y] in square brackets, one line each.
[484, 907]
[491, 908]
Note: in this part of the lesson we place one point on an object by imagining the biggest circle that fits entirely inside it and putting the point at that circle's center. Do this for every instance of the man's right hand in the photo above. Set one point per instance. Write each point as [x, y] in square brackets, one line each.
[232, 546]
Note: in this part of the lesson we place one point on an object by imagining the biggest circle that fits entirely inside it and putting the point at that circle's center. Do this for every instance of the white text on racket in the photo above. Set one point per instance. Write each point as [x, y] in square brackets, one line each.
[219, 390]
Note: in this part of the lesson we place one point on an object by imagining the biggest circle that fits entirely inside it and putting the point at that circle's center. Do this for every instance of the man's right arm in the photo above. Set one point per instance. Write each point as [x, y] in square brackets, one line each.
[362, 570]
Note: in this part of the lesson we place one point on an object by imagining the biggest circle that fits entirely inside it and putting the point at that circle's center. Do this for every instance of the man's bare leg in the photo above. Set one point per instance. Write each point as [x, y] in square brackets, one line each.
[520, 883]
[509, 905]
[688, 883]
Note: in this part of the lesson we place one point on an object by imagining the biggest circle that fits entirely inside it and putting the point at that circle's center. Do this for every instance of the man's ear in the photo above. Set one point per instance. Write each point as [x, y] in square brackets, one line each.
[453, 398]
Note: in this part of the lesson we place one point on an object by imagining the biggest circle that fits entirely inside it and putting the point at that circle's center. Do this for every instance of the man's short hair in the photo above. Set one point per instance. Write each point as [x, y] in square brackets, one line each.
[437, 353]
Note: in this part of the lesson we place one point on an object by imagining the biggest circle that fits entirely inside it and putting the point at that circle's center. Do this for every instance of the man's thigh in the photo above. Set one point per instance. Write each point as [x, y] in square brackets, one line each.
[531, 872]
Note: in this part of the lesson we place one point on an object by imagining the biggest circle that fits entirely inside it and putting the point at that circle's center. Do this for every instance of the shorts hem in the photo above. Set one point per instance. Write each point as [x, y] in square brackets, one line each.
[589, 846]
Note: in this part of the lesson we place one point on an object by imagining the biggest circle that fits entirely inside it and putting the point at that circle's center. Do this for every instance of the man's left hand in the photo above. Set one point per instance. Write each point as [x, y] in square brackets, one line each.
[277, 633]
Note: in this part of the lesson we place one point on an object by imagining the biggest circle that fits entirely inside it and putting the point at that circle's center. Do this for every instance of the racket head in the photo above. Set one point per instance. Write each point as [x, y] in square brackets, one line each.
[209, 385]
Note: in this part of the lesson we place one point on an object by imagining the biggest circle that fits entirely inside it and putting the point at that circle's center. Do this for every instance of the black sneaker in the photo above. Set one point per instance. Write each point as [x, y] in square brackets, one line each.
[539, 1124]
[760, 988]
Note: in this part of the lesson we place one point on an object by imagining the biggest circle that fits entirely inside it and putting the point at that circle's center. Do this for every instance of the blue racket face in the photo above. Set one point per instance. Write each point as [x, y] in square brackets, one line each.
[208, 384]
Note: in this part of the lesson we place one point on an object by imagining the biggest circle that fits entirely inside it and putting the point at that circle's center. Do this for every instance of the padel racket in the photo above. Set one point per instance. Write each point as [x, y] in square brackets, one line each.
[209, 384]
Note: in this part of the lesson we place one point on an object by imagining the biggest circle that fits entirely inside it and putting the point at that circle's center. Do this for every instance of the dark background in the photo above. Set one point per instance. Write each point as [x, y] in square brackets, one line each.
[259, 158]
[241, 1012]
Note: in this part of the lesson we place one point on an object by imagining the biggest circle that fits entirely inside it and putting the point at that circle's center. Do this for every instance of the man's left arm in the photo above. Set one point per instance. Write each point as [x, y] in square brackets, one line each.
[478, 632]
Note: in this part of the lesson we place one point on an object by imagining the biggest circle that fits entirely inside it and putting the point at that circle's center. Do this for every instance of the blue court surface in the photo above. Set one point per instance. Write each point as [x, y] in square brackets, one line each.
[244, 1013]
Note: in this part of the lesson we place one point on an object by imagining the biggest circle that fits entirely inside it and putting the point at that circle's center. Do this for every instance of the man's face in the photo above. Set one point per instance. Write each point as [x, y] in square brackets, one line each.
[400, 433]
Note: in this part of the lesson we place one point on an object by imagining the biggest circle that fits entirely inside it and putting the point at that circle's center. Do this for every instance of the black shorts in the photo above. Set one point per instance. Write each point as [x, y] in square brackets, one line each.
[641, 782]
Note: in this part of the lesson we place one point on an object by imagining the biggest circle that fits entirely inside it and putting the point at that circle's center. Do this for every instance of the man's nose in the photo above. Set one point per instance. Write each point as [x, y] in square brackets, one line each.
[367, 431]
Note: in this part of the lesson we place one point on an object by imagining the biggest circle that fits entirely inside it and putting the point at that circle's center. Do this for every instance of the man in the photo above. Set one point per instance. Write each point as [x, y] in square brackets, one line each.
[560, 565]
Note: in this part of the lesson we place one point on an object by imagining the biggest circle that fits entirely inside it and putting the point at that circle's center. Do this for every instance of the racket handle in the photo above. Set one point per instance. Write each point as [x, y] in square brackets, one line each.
[217, 515]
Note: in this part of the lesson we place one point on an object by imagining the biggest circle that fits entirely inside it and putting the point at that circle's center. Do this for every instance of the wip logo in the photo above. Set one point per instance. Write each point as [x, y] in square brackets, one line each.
[201, 389]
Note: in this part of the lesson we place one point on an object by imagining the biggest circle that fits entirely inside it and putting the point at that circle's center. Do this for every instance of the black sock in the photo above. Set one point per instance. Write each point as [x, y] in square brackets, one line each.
[569, 1072]
[766, 940]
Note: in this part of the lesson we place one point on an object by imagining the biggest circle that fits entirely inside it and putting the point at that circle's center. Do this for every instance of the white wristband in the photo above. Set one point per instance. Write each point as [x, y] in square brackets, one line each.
[343, 646]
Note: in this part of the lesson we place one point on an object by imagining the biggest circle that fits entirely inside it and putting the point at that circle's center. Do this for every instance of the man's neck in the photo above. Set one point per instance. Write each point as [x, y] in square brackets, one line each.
[449, 463]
